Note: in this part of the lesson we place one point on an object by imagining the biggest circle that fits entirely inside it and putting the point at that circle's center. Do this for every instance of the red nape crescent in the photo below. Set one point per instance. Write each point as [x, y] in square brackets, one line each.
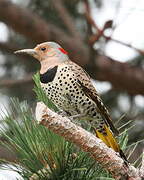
[63, 51]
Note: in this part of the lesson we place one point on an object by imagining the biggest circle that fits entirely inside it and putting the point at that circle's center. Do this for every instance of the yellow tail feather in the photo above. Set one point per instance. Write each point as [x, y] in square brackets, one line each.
[108, 139]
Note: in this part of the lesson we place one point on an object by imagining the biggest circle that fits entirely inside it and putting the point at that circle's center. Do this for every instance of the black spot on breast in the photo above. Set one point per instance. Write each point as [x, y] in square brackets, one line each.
[49, 75]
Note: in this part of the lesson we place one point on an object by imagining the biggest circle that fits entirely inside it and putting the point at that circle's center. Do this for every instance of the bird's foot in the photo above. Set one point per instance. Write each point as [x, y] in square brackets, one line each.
[63, 113]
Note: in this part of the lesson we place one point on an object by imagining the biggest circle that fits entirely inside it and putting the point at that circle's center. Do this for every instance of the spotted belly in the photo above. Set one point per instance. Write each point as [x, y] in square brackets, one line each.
[70, 102]
[68, 96]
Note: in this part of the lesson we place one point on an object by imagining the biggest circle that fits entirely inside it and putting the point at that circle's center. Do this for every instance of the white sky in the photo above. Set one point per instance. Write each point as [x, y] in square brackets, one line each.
[130, 26]
[3, 32]
[130, 29]
[9, 175]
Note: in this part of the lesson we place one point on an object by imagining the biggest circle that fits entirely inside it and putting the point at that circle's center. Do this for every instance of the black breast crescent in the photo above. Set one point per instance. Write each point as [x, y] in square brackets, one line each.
[49, 75]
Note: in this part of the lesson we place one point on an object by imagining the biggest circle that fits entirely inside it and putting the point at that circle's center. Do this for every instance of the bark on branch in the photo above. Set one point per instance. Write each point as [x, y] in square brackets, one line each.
[87, 142]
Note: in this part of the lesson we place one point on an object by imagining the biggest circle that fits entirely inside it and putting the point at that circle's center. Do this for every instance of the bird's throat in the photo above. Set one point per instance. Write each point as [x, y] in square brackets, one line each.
[49, 63]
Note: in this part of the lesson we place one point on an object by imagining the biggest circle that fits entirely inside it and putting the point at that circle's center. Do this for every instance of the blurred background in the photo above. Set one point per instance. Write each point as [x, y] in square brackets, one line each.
[103, 36]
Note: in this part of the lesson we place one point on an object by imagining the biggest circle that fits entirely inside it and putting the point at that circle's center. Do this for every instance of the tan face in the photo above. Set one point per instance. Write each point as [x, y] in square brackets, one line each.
[43, 51]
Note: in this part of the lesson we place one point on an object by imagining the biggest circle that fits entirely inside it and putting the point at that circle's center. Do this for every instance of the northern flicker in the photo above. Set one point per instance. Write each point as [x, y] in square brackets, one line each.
[69, 87]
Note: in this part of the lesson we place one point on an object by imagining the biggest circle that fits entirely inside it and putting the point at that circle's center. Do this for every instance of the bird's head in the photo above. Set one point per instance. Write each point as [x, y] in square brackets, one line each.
[45, 51]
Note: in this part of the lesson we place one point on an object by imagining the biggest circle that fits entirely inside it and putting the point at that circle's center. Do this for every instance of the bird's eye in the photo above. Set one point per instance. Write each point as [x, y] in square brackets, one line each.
[43, 49]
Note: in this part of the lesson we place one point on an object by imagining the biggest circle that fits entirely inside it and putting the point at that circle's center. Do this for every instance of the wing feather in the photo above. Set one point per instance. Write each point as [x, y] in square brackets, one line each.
[85, 83]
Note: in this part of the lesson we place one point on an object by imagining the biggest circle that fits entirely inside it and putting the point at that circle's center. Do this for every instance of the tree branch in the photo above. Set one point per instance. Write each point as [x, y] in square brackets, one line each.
[6, 47]
[120, 75]
[12, 82]
[87, 142]
[65, 16]
[100, 32]
[142, 165]
[37, 30]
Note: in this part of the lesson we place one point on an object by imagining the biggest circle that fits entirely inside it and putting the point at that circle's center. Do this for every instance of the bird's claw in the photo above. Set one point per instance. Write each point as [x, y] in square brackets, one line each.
[62, 113]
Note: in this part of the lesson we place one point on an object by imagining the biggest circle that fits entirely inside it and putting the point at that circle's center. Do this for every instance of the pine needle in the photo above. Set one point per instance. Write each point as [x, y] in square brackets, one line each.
[138, 159]
[124, 125]
[120, 118]
[41, 96]
[133, 144]
[132, 151]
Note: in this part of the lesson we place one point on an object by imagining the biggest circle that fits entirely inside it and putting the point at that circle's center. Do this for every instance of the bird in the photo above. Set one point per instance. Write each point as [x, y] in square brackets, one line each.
[70, 88]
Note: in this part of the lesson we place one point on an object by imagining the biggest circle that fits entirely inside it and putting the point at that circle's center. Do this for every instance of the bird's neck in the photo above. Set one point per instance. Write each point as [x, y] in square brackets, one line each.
[48, 64]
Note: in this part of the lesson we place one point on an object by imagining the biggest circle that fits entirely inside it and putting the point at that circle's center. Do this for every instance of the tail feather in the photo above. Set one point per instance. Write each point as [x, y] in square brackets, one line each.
[109, 139]
[103, 138]
[112, 140]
